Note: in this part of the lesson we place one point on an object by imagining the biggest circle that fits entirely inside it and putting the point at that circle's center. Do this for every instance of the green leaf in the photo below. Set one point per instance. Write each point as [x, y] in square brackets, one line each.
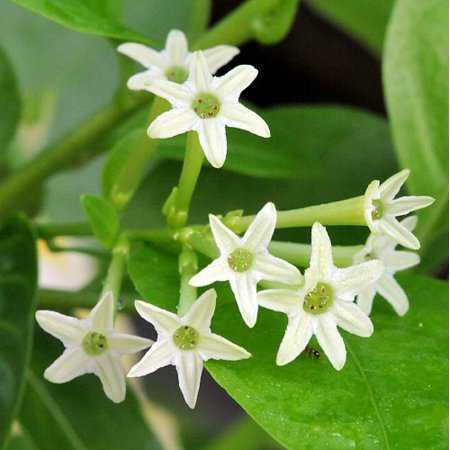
[18, 272]
[103, 219]
[82, 17]
[392, 392]
[9, 102]
[365, 19]
[415, 76]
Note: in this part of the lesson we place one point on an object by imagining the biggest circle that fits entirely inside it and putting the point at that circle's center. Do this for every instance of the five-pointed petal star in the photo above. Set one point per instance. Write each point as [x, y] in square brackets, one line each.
[91, 346]
[382, 247]
[185, 342]
[382, 209]
[246, 261]
[207, 104]
[323, 303]
[172, 63]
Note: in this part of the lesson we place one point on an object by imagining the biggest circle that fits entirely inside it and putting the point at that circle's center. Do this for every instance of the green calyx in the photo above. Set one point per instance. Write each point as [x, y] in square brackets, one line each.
[177, 74]
[186, 338]
[378, 210]
[206, 105]
[94, 344]
[240, 260]
[319, 299]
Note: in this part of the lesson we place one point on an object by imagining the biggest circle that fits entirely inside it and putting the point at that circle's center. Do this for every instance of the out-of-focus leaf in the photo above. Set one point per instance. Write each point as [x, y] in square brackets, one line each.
[108, 8]
[415, 77]
[18, 274]
[365, 19]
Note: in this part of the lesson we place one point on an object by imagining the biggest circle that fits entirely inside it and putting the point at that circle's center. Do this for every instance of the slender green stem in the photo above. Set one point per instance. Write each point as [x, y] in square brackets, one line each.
[187, 267]
[52, 230]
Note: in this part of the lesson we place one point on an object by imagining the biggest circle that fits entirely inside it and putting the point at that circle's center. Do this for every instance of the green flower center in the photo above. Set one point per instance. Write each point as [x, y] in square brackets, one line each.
[186, 338]
[240, 260]
[94, 343]
[319, 299]
[206, 105]
[378, 210]
[177, 74]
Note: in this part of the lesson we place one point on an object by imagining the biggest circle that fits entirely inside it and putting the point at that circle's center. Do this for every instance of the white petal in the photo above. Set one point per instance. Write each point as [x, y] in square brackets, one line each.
[397, 231]
[218, 270]
[141, 81]
[201, 312]
[390, 188]
[349, 281]
[171, 123]
[142, 54]
[405, 205]
[235, 81]
[276, 269]
[101, 316]
[164, 321]
[297, 335]
[401, 260]
[176, 94]
[65, 328]
[351, 318]
[71, 364]
[189, 368]
[321, 255]
[213, 140]
[244, 290]
[409, 222]
[238, 116]
[219, 55]
[213, 346]
[199, 73]
[331, 341]
[161, 354]
[127, 343]
[394, 294]
[282, 300]
[365, 299]
[176, 47]
[224, 238]
[261, 230]
[112, 377]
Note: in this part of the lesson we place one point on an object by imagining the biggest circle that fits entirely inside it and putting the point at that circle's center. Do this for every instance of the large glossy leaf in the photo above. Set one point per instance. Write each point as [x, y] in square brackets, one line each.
[365, 19]
[17, 303]
[416, 84]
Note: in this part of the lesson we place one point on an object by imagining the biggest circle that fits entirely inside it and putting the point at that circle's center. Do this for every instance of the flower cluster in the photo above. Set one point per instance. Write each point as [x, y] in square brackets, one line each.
[317, 303]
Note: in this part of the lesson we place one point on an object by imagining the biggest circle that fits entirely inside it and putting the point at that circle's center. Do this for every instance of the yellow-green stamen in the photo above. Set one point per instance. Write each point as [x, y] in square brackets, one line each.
[177, 74]
[240, 260]
[206, 105]
[319, 299]
[186, 338]
[94, 343]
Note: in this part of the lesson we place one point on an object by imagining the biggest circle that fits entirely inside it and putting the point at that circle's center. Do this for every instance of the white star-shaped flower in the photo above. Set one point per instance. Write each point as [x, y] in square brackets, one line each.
[382, 247]
[246, 261]
[91, 346]
[185, 342]
[382, 209]
[172, 63]
[323, 303]
[207, 104]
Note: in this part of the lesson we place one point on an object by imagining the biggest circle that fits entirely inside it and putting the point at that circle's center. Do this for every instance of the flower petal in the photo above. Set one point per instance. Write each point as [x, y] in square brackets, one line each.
[244, 290]
[276, 269]
[213, 346]
[235, 81]
[351, 318]
[141, 81]
[281, 300]
[397, 231]
[331, 341]
[128, 343]
[239, 116]
[261, 230]
[394, 294]
[224, 238]
[219, 55]
[176, 47]
[321, 255]
[213, 140]
[400, 260]
[297, 335]
[189, 368]
[164, 321]
[404, 205]
[71, 364]
[199, 73]
[142, 54]
[365, 299]
[218, 270]
[176, 94]
[201, 312]
[112, 377]
[101, 316]
[390, 188]
[161, 354]
[171, 123]
[65, 328]
[409, 222]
